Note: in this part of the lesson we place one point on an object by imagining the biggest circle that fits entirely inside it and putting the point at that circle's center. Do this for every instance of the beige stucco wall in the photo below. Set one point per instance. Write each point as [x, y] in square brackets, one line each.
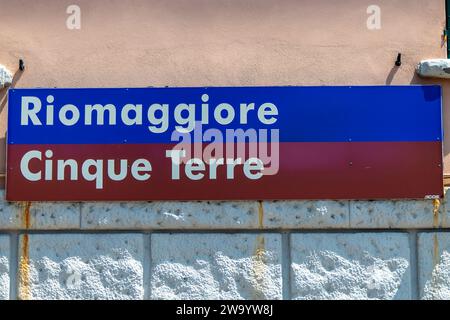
[219, 42]
[228, 250]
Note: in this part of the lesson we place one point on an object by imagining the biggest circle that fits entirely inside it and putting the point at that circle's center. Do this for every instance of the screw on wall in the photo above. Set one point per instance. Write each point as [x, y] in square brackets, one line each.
[398, 62]
[21, 64]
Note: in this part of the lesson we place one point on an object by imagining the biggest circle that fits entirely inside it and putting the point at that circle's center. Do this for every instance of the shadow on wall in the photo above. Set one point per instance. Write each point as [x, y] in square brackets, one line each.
[391, 75]
[4, 91]
[445, 84]
[446, 116]
[389, 79]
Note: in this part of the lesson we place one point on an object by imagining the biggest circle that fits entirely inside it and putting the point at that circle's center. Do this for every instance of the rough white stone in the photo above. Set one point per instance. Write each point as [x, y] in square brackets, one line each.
[434, 265]
[4, 267]
[306, 214]
[393, 214]
[446, 209]
[216, 266]
[80, 266]
[5, 77]
[170, 215]
[350, 266]
[435, 68]
[55, 215]
[42, 215]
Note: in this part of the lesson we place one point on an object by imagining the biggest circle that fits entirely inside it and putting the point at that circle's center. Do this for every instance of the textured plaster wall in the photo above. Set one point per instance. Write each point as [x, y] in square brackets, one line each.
[143, 43]
[236, 250]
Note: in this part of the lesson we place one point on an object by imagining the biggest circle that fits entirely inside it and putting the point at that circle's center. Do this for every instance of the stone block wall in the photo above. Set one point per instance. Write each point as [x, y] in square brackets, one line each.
[226, 250]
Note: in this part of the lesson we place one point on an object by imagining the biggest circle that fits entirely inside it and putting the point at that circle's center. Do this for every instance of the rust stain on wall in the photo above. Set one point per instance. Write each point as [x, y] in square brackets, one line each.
[259, 259]
[26, 218]
[24, 271]
[24, 263]
[436, 207]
